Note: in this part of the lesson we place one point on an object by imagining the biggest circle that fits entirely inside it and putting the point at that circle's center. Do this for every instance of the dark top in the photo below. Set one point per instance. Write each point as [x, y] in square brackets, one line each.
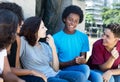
[12, 55]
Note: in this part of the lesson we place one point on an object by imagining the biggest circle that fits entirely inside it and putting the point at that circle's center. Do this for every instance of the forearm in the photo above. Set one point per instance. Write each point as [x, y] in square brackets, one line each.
[107, 65]
[20, 72]
[115, 71]
[55, 62]
[1, 79]
[78, 60]
[66, 64]
[9, 77]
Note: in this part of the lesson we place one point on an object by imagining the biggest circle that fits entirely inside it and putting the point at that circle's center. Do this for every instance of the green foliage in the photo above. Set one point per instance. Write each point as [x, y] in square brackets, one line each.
[116, 4]
[111, 15]
[89, 18]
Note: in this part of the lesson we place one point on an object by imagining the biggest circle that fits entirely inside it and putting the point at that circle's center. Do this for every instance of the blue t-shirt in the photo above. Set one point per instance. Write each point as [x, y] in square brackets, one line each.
[70, 46]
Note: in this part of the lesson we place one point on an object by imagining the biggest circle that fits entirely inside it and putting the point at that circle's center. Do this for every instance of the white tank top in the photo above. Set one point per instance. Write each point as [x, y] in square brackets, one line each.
[3, 53]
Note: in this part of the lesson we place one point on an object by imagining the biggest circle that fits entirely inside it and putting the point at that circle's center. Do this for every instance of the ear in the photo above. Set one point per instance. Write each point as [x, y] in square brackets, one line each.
[117, 39]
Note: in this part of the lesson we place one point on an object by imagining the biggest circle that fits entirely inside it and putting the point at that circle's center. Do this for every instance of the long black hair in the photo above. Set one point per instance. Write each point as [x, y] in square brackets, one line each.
[8, 27]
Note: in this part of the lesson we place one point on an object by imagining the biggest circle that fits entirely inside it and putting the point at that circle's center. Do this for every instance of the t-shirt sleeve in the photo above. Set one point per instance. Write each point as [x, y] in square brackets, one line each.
[49, 51]
[22, 46]
[97, 54]
[85, 46]
[3, 53]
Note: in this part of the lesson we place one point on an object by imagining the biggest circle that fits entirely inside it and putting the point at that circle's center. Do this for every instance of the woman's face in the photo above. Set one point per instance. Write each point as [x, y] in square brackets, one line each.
[108, 38]
[71, 22]
[19, 27]
[42, 30]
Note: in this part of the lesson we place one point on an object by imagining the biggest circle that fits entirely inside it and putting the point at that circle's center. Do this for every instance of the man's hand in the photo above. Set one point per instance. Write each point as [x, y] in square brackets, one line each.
[115, 53]
[107, 75]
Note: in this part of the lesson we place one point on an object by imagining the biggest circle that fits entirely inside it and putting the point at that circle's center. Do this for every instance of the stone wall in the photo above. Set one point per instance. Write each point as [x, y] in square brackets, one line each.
[28, 7]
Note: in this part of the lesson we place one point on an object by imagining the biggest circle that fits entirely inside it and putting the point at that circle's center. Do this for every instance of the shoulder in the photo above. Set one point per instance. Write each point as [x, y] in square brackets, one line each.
[22, 42]
[118, 46]
[98, 43]
[44, 44]
[3, 52]
[82, 36]
[22, 39]
[81, 33]
[58, 34]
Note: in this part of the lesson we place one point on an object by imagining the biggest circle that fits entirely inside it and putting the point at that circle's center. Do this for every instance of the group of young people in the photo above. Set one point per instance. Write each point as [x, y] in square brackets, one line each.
[62, 57]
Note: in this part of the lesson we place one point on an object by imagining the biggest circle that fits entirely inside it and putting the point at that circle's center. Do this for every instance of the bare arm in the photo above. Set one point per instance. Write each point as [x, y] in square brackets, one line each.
[21, 72]
[1, 79]
[115, 71]
[78, 60]
[66, 64]
[107, 74]
[55, 61]
[17, 62]
[8, 75]
[108, 64]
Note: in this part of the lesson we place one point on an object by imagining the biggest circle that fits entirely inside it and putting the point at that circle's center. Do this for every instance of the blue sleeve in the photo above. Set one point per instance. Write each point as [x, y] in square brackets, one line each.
[85, 46]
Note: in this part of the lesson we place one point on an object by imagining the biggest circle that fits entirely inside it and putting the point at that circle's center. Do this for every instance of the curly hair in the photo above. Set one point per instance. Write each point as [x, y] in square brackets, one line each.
[115, 28]
[14, 8]
[30, 29]
[72, 9]
[8, 27]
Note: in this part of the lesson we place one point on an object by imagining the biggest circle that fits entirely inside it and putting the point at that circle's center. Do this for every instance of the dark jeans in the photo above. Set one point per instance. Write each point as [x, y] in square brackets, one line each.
[31, 78]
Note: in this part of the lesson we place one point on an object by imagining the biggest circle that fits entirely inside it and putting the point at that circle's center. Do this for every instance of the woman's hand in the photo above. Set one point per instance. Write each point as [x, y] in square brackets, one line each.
[38, 74]
[50, 41]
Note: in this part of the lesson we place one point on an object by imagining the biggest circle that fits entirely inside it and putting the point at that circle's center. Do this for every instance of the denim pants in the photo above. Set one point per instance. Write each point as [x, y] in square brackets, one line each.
[83, 68]
[95, 76]
[114, 78]
[68, 76]
[31, 78]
